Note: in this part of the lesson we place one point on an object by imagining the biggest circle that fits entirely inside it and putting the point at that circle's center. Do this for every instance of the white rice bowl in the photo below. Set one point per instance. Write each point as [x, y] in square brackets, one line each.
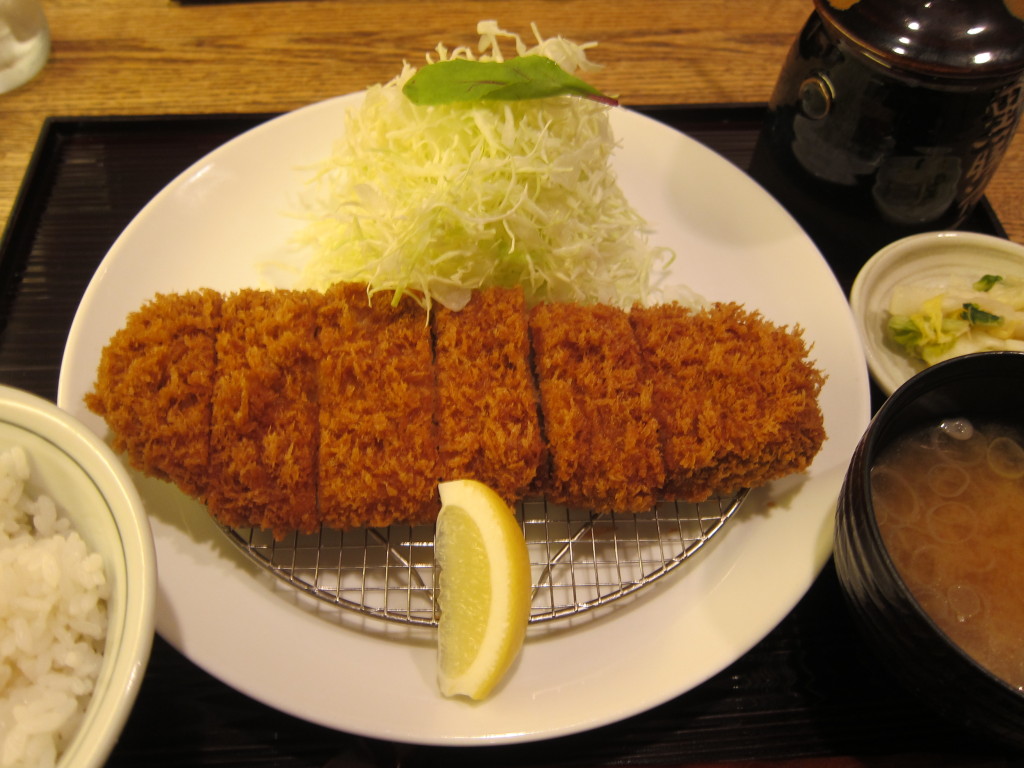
[77, 589]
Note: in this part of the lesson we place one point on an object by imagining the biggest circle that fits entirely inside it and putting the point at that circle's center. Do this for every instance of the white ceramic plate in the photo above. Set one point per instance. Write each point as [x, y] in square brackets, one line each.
[224, 216]
[924, 256]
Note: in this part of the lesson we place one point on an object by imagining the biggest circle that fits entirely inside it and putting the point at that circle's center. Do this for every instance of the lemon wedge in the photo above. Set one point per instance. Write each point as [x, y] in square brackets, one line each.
[484, 589]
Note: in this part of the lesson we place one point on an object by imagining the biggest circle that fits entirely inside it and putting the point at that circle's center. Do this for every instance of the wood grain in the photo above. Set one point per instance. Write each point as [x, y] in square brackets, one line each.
[134, 57]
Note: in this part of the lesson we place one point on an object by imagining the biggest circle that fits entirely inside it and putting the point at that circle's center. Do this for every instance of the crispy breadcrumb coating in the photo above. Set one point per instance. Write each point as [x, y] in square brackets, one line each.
[286, 410]
[736, 397]
[488, 425]
[597, 409]
[263, 436]
[378, 441]
[154, 387]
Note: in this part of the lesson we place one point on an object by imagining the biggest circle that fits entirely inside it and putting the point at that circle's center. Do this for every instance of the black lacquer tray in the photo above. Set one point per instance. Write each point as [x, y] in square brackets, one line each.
[810, 688]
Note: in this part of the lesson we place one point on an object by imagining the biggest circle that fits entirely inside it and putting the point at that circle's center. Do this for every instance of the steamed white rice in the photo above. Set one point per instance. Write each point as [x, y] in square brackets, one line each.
[53, 621]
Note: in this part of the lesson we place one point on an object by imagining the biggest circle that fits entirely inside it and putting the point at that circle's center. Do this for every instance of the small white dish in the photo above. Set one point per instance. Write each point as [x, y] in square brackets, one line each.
[929, 254]
[92, 488]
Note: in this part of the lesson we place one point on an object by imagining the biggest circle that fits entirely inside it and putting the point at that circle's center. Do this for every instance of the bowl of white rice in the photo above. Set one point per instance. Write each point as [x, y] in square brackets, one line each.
[77, 589]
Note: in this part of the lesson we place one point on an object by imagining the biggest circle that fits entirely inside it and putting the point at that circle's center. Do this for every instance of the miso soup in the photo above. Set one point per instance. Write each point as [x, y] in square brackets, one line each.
[949, 501]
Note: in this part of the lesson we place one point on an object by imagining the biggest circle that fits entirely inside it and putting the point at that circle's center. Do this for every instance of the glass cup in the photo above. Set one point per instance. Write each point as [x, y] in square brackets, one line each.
[24, 42]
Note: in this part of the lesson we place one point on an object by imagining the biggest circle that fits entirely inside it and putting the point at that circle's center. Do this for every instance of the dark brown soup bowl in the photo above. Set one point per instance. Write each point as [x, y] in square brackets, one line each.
[984, 387]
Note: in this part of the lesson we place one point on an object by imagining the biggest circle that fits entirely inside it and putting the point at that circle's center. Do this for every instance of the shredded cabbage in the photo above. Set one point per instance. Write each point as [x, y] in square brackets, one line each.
[439, 200]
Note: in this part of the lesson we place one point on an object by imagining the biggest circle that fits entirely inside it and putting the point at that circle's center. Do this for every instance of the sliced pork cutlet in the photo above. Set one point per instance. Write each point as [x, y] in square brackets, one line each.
[154, 386]
[597, 409]
[488, 425]
[378, 440]
[263, 435]
[736, 397]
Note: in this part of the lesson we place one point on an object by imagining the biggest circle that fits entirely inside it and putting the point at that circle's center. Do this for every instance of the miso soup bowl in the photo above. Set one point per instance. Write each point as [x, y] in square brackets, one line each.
[986, 386]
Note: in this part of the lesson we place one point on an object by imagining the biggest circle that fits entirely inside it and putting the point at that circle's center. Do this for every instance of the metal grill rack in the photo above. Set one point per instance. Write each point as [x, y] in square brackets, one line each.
[580, 561]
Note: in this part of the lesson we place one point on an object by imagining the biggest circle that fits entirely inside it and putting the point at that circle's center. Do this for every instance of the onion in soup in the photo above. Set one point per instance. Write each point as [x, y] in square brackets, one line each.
[949, 500]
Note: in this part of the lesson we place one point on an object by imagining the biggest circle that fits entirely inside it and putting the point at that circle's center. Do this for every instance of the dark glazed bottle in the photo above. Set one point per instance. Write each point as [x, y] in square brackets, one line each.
[890, 116]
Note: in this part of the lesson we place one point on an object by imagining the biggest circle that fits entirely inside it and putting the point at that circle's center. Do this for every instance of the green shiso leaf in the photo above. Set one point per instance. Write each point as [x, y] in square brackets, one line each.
[524, 77]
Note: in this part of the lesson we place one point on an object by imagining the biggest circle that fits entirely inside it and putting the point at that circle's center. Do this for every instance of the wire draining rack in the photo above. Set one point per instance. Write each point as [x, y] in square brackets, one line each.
[579, 560]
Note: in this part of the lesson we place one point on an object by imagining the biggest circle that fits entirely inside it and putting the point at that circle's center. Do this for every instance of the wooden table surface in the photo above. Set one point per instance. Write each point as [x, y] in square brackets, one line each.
[116, 57]
[147, 57]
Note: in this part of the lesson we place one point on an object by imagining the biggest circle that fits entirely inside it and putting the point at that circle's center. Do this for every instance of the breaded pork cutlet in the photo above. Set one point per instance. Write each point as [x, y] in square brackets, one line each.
[735, 395]
[597, 409]
[154, 386]
[378, 441]
[488, 426]
[263, 434]
[286, 410]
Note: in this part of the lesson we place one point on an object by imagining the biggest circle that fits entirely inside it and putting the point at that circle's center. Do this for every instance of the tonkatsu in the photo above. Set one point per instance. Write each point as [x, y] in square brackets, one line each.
[263, 428]
[378, 439]
[487, 411]
[154, 387]
[735, 396]
[597, 407]
[288, 410]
